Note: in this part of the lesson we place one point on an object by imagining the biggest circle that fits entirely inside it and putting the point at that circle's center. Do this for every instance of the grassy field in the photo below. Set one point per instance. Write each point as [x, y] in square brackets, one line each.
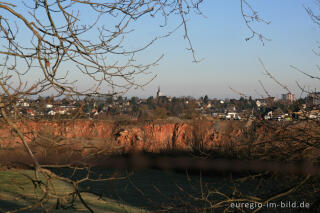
[151, 190]
[18, 192]
[142, 191]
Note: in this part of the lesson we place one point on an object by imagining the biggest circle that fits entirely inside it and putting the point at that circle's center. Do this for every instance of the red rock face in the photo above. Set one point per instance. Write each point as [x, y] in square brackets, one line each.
[91, 137]
[153, 137]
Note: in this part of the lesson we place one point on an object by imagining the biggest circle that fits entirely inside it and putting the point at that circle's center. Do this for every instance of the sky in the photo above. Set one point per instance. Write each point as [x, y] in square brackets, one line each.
[227, 60]
[230, 61]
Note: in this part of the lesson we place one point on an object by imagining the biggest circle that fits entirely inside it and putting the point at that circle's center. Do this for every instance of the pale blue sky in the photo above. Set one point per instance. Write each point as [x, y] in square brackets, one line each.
[231, 61]
[228, 59]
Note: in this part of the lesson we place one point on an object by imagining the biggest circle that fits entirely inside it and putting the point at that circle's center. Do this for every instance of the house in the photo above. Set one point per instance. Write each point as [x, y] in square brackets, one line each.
[25, 104]
[94, 112]
[233, 116]
[278, 114]
[313, 100]
[231, 107]
[265, 101]
[49, 106]
[314, 114]
[268, 116]
[51, 112]
[61, 110]
[30, 112]
[289, 97]
[270, 99]
[260, 102]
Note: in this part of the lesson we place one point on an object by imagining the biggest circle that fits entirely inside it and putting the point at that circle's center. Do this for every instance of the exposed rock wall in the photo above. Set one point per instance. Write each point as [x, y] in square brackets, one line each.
[267, 140]
[150, 136]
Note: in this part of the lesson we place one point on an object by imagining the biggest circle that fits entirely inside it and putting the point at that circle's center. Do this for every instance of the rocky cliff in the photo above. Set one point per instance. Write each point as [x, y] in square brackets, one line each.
[249, 139]
[147, 136]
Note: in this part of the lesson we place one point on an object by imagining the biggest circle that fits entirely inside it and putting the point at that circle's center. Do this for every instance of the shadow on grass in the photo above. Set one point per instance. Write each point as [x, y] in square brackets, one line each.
[8, 205]
[150, 189]
[185, 190]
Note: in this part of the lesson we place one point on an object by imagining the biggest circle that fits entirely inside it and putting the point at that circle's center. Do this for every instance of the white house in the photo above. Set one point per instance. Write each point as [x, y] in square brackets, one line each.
[233, 115]
[51, 112]
[25, 104]
[49, 106]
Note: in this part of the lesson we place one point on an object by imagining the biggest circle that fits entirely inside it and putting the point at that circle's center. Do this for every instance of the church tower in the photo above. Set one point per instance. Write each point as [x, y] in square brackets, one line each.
[158, 93]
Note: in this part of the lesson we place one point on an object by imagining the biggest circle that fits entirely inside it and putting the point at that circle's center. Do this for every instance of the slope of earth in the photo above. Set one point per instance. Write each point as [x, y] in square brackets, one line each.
[17, 191]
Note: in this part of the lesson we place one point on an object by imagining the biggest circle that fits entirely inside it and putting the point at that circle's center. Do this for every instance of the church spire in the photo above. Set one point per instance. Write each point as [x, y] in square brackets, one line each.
[158, 93]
